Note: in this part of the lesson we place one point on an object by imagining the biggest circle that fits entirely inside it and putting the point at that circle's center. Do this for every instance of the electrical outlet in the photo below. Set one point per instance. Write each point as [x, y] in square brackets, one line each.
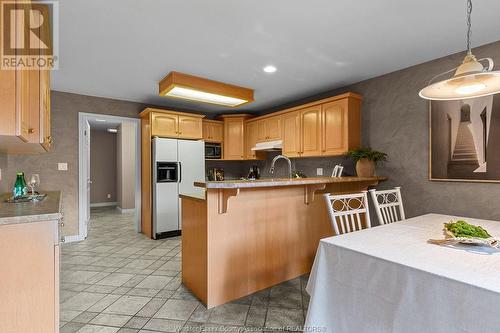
[62, 166]
[319, 171]
[109, 195]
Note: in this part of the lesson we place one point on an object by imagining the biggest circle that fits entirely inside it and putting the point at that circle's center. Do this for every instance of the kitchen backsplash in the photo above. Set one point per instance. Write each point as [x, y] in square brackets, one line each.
[307, 166]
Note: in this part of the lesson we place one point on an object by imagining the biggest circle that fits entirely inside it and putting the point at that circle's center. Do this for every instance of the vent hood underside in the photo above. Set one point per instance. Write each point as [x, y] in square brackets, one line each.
[269, 146]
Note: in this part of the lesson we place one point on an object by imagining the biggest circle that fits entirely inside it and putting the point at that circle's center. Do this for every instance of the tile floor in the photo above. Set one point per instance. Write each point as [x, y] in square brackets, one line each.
[120, 281]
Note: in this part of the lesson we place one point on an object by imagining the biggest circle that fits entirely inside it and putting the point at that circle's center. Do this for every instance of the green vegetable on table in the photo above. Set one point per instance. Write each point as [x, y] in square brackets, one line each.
[466, 230]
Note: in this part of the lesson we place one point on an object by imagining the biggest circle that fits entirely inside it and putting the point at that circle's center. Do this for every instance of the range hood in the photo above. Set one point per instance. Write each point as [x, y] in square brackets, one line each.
[268, 146]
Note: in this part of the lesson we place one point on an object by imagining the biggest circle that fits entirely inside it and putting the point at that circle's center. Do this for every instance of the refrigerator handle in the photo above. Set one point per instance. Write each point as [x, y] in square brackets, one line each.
[180, 172]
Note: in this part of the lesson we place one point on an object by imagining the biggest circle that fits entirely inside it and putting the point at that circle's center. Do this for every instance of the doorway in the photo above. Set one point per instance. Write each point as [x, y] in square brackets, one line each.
[109, 167]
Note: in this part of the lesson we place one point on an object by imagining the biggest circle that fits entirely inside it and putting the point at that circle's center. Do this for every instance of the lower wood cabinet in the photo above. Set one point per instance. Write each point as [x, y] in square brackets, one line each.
[29, 270]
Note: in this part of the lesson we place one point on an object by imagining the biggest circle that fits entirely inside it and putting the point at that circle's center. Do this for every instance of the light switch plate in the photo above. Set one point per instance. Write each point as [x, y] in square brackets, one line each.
[109, 196]
[319, 171]
[62, 166]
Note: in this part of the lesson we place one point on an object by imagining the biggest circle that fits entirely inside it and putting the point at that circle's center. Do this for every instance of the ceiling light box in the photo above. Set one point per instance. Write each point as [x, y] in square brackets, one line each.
[199, 89]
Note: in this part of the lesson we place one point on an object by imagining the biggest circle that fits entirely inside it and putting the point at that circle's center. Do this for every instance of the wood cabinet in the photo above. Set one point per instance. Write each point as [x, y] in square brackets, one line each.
[310, 131]
[251, 138]
[178, 125]
[324, 129]
[25, 108]
[334, 128]
[213, 131]
[29, 254]
[190, 127]
[292, 134]
[269, 129]
[234, 138]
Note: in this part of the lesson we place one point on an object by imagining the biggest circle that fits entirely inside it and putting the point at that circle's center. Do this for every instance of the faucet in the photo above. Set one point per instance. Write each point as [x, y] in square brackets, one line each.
[271, 171]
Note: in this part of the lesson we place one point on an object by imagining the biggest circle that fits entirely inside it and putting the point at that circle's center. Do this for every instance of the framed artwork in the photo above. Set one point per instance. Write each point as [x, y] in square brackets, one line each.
[465, 140]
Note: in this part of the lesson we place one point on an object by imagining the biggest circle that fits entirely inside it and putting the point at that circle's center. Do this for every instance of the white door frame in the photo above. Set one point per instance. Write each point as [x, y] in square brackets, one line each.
[84, 117]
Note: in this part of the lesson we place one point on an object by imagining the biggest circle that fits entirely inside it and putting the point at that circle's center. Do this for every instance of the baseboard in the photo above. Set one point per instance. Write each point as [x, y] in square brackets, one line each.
[125, 210]
[74, 238]
[103, 204]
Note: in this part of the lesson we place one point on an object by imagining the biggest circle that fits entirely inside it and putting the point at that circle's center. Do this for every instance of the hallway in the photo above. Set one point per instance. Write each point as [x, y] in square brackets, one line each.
[120, 281]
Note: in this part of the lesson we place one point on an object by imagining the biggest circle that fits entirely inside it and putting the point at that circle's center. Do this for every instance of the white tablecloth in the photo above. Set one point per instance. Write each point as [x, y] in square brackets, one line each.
[389, 279]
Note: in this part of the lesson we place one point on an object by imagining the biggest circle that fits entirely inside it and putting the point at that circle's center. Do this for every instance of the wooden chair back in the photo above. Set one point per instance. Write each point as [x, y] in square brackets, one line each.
[348, 212]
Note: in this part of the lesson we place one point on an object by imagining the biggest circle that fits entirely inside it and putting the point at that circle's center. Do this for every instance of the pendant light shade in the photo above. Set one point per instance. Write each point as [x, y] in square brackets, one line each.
[471, 79]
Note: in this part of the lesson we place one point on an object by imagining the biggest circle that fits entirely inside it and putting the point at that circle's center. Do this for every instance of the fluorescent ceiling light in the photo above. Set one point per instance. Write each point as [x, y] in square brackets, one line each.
[199, 89]
[206, 97]
[112, 130]
[100, 120]
[269, 69]
[471, 79]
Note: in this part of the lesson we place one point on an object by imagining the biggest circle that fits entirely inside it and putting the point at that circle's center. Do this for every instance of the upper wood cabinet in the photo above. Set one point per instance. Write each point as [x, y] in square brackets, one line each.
[164, 125]
[310, 131]
[292, 134]
[269, 129]
[323, 129]
[190, 127]
[251, 138]
[213, 130]
[234, 136]
[25, 108]
[170, 124]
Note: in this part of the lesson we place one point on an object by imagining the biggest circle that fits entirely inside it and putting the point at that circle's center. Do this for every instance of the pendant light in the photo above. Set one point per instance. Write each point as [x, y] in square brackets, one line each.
[471, 78]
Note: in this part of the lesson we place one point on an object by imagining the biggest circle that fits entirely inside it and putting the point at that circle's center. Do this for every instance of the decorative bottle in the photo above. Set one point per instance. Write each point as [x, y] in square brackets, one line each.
[20, 188]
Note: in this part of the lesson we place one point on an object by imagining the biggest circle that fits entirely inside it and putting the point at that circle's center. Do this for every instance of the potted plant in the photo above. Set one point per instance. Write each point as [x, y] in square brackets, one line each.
[366, 159]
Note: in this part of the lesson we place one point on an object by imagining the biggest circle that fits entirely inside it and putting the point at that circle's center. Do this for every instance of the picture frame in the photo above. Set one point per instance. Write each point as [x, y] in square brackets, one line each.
[464, 140]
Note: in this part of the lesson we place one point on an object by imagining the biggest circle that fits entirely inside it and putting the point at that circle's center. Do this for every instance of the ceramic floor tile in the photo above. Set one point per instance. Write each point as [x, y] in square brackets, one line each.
[176, 309]
[110, 319]
[120, 281]
[164, 325]
[230, 314]
[127, 305]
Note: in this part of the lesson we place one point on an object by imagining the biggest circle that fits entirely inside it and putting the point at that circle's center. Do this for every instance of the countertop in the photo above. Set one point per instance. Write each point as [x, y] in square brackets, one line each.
[197, 196]
[27, 212]
[283, 182]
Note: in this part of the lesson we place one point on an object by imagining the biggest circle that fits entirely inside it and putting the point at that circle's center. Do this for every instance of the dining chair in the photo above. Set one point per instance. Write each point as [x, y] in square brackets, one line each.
[388, 205]
[348, 212]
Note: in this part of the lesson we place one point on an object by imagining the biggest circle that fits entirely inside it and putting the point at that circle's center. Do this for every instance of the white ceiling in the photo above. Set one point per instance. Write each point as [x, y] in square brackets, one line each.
[122, 48]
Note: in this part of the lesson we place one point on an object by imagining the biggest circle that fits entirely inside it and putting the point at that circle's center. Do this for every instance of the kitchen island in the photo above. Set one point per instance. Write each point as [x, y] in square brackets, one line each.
[245, 236]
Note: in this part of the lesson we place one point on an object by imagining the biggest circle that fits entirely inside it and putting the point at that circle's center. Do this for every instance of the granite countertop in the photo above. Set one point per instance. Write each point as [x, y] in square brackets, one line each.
[197, 196]
[283, 182]
[26, 212]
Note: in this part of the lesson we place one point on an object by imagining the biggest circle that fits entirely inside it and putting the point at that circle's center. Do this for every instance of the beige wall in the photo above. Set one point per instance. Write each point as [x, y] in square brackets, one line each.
[65, 109]
[102, 166]
[126, 161]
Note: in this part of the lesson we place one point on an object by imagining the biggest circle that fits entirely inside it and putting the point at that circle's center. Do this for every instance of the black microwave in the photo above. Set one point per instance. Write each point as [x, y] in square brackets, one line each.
[213, 151]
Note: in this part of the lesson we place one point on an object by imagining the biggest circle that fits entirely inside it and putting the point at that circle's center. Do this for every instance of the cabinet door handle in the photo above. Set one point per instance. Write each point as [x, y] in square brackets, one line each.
[49, 139]
[31, 130]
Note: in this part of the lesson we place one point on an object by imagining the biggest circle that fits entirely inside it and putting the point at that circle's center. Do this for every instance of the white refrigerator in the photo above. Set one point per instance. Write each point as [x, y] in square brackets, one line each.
[177, 164]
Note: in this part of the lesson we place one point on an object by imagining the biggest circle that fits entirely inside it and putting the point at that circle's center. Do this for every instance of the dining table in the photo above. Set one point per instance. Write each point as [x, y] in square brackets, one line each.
[389, 278]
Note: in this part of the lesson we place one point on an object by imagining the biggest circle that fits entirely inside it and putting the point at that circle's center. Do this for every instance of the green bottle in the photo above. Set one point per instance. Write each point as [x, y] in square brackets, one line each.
[20, 188]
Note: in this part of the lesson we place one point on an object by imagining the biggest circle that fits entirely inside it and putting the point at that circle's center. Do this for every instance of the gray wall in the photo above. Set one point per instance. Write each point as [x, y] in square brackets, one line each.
[395, 120]
[102, 166]
[126, 161]
[65, 109]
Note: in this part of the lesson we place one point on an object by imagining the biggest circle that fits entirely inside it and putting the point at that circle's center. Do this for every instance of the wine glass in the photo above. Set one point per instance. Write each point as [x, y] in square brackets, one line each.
[34, 182]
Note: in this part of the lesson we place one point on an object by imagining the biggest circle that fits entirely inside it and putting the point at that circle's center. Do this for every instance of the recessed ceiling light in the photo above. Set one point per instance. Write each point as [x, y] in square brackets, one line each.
[270, 69]
[112, 130]
[100, 120]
